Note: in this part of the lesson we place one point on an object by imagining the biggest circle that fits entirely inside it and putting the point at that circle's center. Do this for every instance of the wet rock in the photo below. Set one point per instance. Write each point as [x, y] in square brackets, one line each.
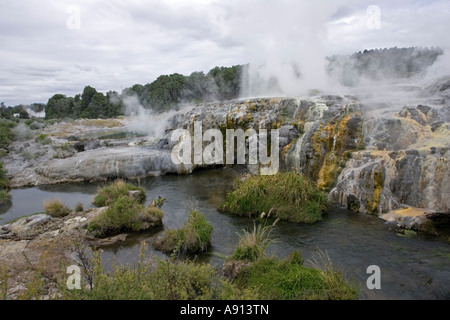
[288, 133]
[79, 146]
[98, 243]
[391, 134]
[162, 143]
[414, 114]
[92, 145]
[383, 181]
[419, 219]
[423, 109]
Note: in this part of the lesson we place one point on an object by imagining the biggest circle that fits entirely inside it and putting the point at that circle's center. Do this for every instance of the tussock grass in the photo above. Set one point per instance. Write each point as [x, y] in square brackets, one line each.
[119, 188]
[194, 236]
[288, 195]
[337, 288]
[126, 214]
[252, 244]
[79, 207]
[56, 208]
[289, 279]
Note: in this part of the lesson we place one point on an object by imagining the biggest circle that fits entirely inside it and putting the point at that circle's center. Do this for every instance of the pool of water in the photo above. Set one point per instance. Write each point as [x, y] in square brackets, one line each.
[415, 267]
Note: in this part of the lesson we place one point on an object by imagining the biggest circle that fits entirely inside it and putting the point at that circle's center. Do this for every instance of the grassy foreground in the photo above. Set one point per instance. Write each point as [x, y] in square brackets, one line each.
[157, 279]
[287, 196]
[289, 279]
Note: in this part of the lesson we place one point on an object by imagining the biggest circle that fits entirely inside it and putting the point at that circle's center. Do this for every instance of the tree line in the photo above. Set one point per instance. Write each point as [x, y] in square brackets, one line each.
[165, 93]
[223, 83]
[382, 64]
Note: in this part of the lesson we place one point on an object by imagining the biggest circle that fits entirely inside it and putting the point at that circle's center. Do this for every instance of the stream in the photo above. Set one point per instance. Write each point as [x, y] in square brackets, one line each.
[412, 266]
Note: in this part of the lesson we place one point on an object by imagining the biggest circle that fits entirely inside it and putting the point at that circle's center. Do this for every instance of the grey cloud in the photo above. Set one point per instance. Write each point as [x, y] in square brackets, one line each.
[121, 43]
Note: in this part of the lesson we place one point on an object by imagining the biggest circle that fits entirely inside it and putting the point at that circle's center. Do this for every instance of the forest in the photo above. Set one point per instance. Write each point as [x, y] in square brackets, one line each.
[224, 83]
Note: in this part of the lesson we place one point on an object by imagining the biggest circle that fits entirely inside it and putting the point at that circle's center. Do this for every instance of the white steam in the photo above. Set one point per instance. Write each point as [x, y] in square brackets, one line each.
[441, 68]
[145, 121]
[284, 43]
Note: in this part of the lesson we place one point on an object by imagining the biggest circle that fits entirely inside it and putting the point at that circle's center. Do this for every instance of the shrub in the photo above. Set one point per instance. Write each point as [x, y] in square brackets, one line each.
[194, 236]
[125, 214]
[6, 134]
[290, 196]
[56, 208]
[108, 194]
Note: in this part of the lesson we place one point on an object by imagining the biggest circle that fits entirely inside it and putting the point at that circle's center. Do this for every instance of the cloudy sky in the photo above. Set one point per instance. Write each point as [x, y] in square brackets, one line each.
[50, 46]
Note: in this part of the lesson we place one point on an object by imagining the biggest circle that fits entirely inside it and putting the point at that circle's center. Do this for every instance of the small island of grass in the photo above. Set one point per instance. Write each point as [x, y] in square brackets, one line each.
[285, 196]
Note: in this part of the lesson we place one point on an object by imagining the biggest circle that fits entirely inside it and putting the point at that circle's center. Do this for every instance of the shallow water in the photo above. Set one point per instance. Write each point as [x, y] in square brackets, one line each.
[416, 267]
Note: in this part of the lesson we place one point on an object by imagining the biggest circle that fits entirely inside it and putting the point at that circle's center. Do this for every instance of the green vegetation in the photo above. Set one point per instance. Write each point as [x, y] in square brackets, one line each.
[4, 182]
[126, 211]
[90, 104]
[43, 139]
[6, 133]
[4, 186]
[222, 83]
[123, 215]
[156, 279]
[119, 188]
[120, 135]
[379, 64]
[288, 196]
[163, 94]
[56, 208]
[252, 244]
[273, 279]
[79, 207]
[3, 281]
[194, 236]
[4, 196]
[289, 279]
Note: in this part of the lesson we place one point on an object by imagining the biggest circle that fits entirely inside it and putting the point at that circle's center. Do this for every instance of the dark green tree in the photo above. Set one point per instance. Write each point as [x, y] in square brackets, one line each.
[59, 106]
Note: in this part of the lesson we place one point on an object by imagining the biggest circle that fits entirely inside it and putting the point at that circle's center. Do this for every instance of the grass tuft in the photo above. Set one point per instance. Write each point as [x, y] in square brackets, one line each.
[194, 236]
[56, 208]
[289, 196]
[119, 188]
[124, 215]
[289, 279]
[252, 244]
